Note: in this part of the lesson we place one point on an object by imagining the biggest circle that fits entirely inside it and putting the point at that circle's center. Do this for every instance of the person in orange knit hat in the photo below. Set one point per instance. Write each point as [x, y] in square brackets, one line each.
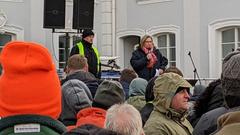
[29, 84]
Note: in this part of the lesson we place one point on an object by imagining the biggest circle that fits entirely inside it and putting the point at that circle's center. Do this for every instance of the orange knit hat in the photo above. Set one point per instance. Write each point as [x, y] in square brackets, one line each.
[29, 83]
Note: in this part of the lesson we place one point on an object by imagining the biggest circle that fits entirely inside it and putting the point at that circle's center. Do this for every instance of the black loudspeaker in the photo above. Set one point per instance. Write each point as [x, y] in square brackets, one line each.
[83, 11]
[54, 14]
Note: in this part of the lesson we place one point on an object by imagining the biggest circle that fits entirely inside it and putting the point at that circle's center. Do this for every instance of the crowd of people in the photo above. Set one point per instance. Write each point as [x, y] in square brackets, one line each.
[148, 99]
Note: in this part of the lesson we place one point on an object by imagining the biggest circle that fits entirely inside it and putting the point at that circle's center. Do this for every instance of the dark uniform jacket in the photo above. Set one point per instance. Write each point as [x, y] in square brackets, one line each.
[91, 57]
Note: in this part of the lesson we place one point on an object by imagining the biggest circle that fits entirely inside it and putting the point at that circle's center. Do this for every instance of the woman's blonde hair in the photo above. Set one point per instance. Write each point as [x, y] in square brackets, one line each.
[144, 38]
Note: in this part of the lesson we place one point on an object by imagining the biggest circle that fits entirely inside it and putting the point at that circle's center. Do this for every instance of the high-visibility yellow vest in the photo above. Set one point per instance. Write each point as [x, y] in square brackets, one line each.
[81, 52]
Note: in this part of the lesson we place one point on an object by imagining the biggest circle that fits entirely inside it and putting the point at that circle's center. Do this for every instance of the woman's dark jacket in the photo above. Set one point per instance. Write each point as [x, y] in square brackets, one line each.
[139, 63]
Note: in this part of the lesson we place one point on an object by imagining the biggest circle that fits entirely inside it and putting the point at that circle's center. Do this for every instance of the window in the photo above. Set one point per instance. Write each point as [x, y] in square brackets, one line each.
[4, 38]
[167, 46]
[230, 40]
[223, 36]
[64, 49]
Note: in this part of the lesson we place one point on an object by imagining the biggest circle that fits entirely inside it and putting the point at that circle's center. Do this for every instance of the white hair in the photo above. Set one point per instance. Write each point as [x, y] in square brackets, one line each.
[124, 119]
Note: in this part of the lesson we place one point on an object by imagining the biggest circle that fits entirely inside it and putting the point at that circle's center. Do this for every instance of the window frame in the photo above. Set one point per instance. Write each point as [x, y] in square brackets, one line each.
[236, 38]
[167, 47]
[214, 42]
[155, 30]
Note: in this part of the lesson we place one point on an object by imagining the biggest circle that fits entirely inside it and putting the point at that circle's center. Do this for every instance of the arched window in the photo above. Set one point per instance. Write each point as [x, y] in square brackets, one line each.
[224, 37]
[167, 45]
[230, 40]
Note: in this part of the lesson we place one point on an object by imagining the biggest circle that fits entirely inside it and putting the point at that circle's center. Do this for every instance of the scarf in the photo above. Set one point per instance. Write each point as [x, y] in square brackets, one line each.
[152, 60]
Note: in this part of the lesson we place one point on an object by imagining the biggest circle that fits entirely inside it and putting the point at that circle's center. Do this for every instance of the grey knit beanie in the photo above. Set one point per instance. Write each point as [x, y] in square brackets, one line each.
[109, 93]
[231, 74]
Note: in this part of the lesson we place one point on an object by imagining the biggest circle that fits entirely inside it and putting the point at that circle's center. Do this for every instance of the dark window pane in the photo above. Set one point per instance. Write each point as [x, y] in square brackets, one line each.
[238, 34]
[162, 41]
[163, 52]
[61, 45]
[172, 54]
[227, 48]
[61, 57]
[172, 40]
[63, 53]
[4, 38]
[228, 36]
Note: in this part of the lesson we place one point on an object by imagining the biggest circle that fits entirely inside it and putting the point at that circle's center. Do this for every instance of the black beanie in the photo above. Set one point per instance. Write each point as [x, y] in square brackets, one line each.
[87, 32]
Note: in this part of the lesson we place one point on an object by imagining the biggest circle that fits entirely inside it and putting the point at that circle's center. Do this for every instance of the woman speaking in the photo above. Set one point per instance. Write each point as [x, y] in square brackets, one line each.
[147, 61]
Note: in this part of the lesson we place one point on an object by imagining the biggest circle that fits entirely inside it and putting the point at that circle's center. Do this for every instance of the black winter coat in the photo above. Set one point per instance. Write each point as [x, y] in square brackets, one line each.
[139, 63]
[145, 112]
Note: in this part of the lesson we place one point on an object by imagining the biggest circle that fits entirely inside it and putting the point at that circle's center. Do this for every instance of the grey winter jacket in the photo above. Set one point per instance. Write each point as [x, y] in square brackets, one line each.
[75, 96]
[86, 77]
[208, 121]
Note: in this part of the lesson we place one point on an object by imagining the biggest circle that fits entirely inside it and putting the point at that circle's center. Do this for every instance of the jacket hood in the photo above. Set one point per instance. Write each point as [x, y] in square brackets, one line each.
[137, 87]
[137, 101]
[74, 99]
[91, 115]
[79, 86]
[164, 90]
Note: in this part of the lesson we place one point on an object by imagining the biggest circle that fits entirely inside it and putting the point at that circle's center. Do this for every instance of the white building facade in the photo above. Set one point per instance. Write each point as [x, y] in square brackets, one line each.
[208, 29]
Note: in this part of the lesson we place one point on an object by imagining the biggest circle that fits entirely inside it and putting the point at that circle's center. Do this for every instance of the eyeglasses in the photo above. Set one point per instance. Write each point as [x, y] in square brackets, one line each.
[148, 41]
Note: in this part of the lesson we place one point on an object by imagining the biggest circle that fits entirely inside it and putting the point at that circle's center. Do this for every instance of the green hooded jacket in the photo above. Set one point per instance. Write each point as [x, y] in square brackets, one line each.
[163, 119]
[137, 101]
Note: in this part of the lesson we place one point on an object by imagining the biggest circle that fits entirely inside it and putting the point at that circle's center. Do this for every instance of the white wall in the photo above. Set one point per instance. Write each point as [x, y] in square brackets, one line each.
[191, 38]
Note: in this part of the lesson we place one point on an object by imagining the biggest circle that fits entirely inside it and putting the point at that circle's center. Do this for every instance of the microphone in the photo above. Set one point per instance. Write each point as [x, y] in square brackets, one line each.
[189, 53]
